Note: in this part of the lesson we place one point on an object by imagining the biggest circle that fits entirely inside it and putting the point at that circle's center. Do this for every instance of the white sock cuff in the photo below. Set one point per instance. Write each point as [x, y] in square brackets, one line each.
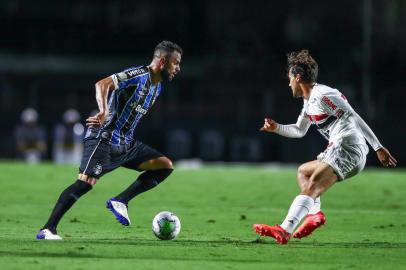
[316, 206]
[305, 201]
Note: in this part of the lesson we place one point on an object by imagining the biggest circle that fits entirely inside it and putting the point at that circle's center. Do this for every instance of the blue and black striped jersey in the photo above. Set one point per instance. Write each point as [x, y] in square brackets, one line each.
[131, 99]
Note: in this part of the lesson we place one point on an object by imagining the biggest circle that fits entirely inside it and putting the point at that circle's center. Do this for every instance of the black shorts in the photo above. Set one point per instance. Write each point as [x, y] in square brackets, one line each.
[99, 157]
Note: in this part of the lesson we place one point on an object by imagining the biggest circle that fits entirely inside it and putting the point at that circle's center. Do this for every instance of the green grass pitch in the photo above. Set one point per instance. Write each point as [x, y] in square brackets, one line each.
[366, 221]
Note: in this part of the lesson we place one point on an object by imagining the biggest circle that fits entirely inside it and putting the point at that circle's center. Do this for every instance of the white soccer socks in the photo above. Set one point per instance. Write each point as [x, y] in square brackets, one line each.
[299, 208]
[316, 207]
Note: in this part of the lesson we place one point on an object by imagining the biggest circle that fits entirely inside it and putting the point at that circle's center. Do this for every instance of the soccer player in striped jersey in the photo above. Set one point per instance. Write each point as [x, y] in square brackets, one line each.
[329, 111]
[110, 139]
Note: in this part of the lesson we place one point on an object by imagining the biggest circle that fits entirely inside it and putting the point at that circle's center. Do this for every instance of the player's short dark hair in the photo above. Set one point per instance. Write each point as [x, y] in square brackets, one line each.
[303, 63]
[166, 47]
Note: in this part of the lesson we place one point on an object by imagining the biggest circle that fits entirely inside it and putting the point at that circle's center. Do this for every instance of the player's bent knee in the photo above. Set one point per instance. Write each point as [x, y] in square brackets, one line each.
[167, 163]
[304, 170]
[301, 177]
[88, 179]
[310, 189]
[301, 169]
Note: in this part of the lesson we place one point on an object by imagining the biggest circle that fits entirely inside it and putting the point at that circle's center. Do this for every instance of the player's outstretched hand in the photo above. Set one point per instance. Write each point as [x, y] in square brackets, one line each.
[385, 157]
[269, 125]
[97, 120]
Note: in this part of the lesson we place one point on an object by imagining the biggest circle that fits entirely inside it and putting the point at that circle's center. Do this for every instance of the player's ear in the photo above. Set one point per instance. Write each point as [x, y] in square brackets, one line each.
[298, 77]
[162, 61]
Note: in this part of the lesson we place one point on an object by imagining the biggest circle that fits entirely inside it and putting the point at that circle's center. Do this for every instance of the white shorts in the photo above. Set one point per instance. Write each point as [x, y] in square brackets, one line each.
[346, 160]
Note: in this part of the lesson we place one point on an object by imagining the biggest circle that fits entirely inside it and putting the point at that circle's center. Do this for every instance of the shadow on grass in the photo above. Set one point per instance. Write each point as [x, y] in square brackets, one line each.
[233, 242]
[142, 256]
[86, 244]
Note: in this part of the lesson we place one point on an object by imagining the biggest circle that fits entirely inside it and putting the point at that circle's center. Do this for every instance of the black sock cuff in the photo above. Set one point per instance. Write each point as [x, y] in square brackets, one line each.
[161, 173]
[164, 171]
[167, 170]
[156, 175]
[81, 187]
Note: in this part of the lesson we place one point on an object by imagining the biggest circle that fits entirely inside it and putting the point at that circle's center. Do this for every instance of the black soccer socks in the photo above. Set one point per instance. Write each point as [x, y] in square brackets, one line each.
[67, 198]
[146, 181]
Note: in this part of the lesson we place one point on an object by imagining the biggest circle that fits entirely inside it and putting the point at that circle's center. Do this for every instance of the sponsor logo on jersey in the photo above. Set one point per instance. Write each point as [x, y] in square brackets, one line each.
[138, 108]
[135, 72]
[329, 103]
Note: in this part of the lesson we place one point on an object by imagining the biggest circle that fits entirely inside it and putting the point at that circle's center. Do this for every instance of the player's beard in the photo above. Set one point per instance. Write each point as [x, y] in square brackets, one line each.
[166, 77]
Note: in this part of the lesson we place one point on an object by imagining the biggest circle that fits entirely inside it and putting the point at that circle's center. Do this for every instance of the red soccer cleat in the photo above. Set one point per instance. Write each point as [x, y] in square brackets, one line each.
[311, 223]
[281, 236]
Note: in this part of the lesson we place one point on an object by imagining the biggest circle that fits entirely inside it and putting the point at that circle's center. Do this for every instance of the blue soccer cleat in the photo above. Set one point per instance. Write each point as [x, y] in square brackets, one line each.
[120, 211]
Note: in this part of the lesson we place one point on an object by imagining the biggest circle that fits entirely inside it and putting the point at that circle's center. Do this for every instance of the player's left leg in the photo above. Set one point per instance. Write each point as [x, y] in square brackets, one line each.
[155, 169]
[316, 217]
[304, 173]
[94, 160]
[65, 201]
[320, 181]
[346, 161]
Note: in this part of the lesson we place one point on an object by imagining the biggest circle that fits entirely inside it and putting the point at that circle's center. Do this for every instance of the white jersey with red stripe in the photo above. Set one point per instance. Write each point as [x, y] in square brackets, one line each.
[329, 110]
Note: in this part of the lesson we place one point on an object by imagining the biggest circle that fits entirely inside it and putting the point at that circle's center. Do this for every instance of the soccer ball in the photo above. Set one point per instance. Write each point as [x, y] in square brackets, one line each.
[166, 225]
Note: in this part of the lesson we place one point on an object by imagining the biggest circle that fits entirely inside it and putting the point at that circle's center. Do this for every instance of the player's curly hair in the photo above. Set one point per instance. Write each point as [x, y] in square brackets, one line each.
[303, 63]
[166, 47]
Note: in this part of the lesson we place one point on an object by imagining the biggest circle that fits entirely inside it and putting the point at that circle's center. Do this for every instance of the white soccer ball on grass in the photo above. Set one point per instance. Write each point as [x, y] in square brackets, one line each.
[166, 225]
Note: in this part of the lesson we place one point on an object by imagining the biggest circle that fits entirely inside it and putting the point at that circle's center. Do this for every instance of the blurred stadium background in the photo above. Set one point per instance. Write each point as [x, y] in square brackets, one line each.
[233, 70]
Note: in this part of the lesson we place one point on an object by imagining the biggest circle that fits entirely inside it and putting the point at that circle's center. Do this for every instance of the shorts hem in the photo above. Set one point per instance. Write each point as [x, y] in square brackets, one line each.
[340, 176]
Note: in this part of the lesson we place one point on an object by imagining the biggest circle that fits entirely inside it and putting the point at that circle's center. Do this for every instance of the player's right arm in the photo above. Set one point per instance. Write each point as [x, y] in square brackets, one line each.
[297, 130]
[102, 92]
[116, 81]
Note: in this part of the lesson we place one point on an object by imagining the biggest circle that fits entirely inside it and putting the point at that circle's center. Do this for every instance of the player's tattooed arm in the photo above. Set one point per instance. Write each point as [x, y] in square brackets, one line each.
[102, 92]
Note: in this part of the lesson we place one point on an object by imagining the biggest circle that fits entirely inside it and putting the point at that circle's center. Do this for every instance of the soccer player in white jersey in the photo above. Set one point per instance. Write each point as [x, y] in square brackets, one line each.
[344, 157]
